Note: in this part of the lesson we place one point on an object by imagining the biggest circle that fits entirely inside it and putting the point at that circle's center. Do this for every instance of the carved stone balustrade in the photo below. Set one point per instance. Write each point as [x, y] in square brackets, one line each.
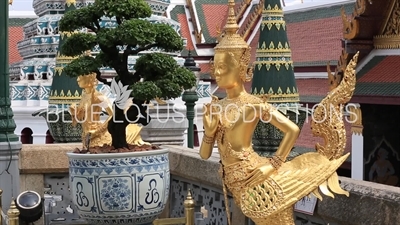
[45, 167]
[34, 69]
[158, 6]
[30, 93]
[42, 7]
[44, 25]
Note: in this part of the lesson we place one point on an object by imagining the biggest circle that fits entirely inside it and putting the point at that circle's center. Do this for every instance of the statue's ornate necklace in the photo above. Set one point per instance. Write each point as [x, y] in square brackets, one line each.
[230, 113]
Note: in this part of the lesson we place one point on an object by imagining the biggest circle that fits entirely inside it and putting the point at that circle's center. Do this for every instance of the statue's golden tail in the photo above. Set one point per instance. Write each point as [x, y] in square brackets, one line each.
[327, 121]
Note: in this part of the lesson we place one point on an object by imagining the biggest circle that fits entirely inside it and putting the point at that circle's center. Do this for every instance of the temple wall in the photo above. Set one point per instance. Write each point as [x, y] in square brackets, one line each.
[369, 203]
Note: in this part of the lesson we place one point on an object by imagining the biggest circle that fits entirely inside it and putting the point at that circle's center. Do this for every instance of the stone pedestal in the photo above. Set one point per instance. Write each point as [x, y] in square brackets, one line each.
[167, 126]
[9, 181]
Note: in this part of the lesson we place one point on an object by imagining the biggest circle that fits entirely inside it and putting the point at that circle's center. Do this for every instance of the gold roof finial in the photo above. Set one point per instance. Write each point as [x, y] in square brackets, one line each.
[231, 40]
[231, 26]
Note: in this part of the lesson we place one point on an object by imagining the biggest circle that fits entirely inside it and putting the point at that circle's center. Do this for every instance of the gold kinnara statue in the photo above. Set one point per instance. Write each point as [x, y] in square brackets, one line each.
[266, 189]
[88, 111]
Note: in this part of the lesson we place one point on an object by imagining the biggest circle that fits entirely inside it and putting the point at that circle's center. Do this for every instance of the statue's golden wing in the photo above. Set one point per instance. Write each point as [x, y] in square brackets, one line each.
[328, 115]
[296, 179]
[308, 173]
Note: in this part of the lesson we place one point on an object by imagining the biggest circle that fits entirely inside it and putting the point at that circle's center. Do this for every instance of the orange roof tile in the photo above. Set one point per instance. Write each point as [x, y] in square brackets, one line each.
[15, 35]
[315, 40]
[215, 16]
[204, 67]
[185, 32]
[312, 87]
[385, 72]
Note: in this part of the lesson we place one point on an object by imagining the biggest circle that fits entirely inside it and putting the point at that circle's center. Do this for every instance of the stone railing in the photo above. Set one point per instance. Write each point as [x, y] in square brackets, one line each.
[44, 168]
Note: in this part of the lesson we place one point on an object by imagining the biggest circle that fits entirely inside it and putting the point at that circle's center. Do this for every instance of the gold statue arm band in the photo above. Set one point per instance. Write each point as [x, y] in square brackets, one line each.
[208, 140]
[266, 113]
[276, 161]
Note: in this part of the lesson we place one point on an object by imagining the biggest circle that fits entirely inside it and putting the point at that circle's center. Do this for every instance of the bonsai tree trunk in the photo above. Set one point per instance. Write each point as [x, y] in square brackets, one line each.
[117, 125]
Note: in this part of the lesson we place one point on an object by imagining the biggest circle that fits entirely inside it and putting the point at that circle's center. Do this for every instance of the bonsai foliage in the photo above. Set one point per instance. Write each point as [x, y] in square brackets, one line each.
[156, 74]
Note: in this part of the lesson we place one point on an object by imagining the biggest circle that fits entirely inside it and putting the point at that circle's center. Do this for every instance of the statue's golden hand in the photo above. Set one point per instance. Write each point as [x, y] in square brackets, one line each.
[74, 122]
[210, 119]
[75, 110]
[259, 175]
[99, 130]
[72, 109]
[93, 133]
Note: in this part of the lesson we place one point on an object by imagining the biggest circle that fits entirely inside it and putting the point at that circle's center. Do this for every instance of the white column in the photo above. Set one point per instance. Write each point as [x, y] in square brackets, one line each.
[357, 143]
[357, 156]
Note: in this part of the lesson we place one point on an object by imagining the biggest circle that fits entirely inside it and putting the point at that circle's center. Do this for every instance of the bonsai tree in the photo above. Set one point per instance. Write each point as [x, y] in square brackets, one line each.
[156, 75]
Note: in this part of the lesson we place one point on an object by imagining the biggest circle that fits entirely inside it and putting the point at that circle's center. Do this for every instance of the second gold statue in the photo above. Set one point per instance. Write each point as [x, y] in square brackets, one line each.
[265, 189]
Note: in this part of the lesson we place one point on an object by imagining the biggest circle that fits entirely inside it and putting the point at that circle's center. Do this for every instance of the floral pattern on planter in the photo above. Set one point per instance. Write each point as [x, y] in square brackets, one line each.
[115, 194]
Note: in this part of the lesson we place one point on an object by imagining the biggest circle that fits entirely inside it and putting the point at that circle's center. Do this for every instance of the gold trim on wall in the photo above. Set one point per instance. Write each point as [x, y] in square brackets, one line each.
[387, 41]
[389, 37]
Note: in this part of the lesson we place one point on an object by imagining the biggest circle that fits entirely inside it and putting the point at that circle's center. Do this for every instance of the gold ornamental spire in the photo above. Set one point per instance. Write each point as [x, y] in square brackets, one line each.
[70, 2]
[231, 26]
[231, 41]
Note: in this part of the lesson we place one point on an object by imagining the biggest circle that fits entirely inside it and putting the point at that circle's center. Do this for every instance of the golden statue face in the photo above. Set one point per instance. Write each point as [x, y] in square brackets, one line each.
[83, 81]
[226, 70]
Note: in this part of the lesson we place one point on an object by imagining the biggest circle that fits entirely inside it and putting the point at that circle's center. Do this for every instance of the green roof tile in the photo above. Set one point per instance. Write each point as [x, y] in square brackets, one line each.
[378, 89]
[180, 9]
[19, 22]
[273, 72]
[311, 98]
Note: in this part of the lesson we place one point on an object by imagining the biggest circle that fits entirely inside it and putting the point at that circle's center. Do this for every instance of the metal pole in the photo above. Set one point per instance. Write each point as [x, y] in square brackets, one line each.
[7, 124]
[190, 97]
[189, 217]
[13, 214]
[1, 209]
[189, 204]
[190, 116]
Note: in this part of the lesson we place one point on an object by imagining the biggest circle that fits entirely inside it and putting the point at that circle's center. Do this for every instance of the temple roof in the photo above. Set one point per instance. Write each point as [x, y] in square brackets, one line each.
[374, 32]
[16, 34]
[315, 35]
[322, 25]
[379, 77]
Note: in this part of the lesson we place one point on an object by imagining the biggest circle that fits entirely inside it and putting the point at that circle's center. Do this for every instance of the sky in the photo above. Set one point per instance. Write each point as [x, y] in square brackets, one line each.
[26, 5]
[21, 5]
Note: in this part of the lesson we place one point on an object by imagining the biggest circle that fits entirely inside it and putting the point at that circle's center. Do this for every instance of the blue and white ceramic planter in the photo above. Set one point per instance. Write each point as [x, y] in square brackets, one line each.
[125, 188]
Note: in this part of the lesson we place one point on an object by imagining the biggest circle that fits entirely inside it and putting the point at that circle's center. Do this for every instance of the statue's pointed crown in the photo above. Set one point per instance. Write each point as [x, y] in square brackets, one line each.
[232, 41]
